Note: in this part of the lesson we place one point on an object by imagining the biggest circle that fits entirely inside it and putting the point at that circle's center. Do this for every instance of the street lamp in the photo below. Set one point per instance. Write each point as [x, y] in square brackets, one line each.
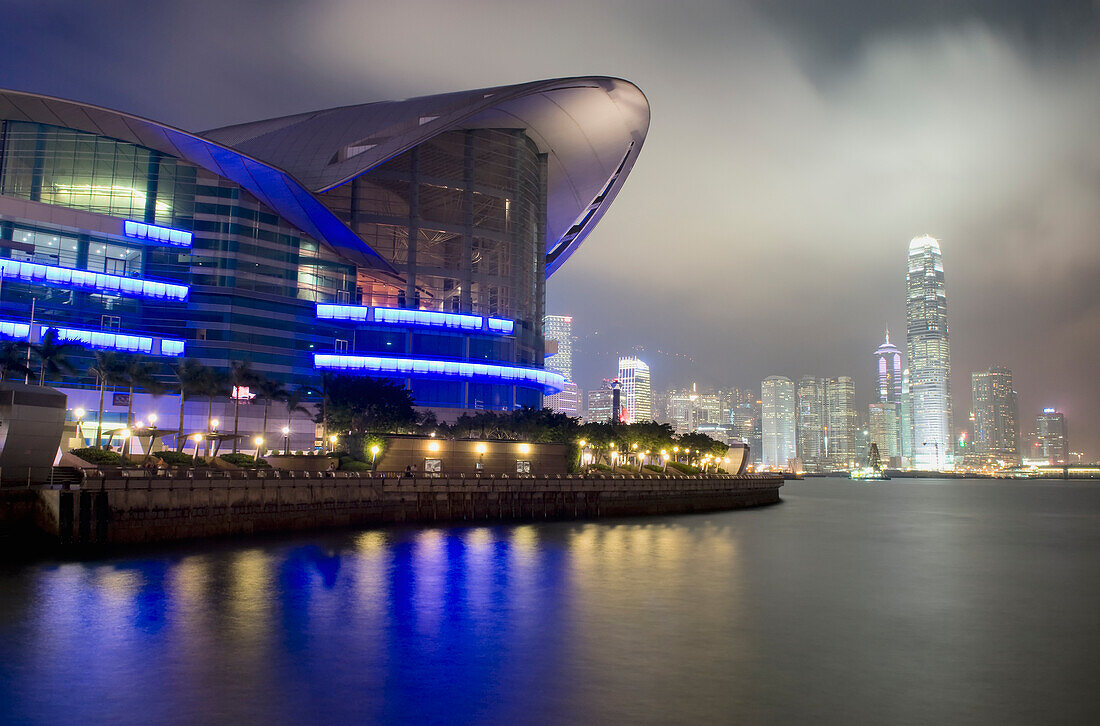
[197, 438]
[286, 440]
[373, 455]
[80, 413]
[259, 441]
[333, 439]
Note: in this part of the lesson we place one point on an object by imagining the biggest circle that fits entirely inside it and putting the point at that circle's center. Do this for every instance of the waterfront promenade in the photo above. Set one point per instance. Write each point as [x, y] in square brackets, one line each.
[132, 506]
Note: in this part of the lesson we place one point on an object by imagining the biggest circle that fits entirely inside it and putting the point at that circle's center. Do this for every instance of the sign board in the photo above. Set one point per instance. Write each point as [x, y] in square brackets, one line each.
[120, 399]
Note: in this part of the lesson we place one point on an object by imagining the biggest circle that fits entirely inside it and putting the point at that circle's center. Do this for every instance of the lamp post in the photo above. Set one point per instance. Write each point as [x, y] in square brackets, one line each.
[286, 440]
[373, 455]
[333, 439]
[79, 413]
[197, 438]
[259, 441]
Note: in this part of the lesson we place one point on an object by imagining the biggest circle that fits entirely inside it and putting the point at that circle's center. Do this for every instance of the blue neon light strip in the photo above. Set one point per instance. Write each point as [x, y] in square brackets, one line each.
[418, 318]
[549, 381]
[427, 318]
[94, 281]
[19, 331]
[158, 235]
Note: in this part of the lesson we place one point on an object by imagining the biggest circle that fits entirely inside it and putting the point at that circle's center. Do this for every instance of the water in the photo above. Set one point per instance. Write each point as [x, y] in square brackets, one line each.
[899, 602]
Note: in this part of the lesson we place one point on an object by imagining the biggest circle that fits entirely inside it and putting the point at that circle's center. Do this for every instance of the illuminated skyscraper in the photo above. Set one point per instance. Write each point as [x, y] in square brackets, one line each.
[811, 422]
[598, 409]
[777, 420]
[888, 360]
[559, 329]
[568, 401]
[996, 433]
[840, 422]
[929, 354]
[637, 395]
[905, 421]
[1052, 437]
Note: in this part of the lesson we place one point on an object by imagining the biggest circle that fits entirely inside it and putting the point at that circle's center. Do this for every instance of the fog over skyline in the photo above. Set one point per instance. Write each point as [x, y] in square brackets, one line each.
[795, 149]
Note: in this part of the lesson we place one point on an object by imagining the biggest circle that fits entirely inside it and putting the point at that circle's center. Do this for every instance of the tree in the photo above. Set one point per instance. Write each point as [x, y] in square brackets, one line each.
[110, 370]
[241, 375]
[139, 372]
[703, 444]
[53, 356]
[270, 391]
[13, 358]
[190, 375]
[362, 405]
[213, 382]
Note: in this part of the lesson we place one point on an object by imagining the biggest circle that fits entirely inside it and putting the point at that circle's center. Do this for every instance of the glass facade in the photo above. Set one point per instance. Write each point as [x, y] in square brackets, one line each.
[929, 355]
[462, 217]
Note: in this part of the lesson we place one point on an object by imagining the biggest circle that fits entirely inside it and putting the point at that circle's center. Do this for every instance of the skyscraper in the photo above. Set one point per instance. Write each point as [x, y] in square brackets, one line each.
[1052, 436]
[777, 414]
[996, 434]
[888, 360]
[811, 422]
[905, 421]
[882, 429]
[559, 328]
[929, 354]
[840, 422]
[568, 401]
[637, 395]
[598, 409]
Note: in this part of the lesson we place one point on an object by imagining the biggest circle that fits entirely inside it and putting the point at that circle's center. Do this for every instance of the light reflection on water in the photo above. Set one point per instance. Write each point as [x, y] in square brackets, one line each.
[910, 602]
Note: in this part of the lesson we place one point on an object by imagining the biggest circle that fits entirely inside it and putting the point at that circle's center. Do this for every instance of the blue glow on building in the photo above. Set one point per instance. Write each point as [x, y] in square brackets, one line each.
[91, 281]
[548, 381]
[415, 318]
[18, 331]
[123, 342]
[158, 235]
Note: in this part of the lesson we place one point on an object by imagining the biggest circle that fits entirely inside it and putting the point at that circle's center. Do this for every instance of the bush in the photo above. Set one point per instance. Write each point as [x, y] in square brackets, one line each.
[177, 458]
[99, 457]
[683, 468]
[245, 461]
[354, 465]
[654, 467]
[602, 467]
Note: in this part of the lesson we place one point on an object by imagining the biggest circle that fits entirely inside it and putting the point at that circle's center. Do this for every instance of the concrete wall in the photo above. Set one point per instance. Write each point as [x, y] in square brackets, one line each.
[461, 455]
[146, 509]
[31, 421]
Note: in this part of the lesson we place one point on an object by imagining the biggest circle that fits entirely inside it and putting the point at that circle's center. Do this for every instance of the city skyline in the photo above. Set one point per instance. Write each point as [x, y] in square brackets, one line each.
[973, 123]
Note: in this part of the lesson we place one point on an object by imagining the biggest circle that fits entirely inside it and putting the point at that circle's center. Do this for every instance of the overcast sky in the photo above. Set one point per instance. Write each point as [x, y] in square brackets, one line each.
[796, 146]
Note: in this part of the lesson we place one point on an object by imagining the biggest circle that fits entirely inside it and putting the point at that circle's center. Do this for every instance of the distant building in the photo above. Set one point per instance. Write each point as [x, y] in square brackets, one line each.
[1052, 437]
[637, 394]
[558, 330]
[598, 409]
[905, 421]
[811, 422]
[745, 427]
[888, 370]
[840, 422]
[777, 421]
[996, 431]
[929, 354]
[882, 430]
[567, 402]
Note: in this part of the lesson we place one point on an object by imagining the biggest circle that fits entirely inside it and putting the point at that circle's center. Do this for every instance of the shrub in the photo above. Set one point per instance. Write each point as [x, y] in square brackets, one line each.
[177, 458]
[245, 461]
[602, 467]
[654, 467]
[99, 457]
[683, 468]
[354, 465]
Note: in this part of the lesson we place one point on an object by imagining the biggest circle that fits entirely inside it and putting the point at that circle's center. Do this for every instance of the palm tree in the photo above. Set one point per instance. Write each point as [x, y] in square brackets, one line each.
[53, 356]
[109, 370]
[271, 391]
[241, 375]
[190, 374]
[214, 383]
[293, 401]
[139, 373]
[13, 358]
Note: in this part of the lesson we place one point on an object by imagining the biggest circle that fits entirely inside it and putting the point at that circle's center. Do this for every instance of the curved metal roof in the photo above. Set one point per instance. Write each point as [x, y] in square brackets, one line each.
[271, 185]
[591, 129]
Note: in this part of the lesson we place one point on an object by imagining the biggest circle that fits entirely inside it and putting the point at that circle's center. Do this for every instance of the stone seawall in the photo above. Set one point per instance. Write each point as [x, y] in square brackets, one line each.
[148, 509]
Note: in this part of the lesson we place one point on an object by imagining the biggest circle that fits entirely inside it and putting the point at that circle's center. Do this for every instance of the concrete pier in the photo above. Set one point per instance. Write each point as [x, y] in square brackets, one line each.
[115, 508]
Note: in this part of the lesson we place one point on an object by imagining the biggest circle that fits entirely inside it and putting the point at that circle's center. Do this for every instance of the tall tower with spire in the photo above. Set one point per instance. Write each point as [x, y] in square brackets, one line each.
[888, 365]
[929, 355]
